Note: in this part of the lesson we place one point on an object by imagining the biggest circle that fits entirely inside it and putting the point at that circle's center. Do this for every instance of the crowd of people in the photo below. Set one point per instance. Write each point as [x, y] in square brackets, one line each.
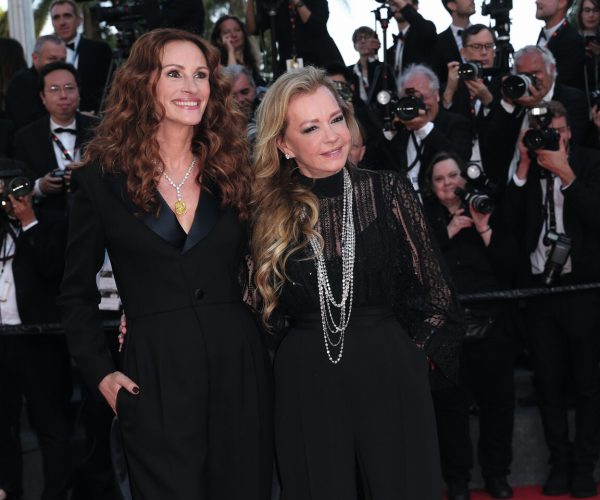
[290, 250]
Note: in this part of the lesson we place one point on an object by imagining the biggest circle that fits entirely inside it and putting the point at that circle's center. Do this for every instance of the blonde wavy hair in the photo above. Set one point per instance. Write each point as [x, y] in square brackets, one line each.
[283, 209]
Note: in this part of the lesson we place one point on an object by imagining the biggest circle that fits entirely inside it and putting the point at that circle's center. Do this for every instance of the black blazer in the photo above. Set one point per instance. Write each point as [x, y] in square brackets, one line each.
[444, 51]
[502, 132]
[420, 40]
[37, 268]
[6, 138]
[581, 215]
[34, 147]
[23, 102]
[568, 48]
[451, 132]
[94, 64]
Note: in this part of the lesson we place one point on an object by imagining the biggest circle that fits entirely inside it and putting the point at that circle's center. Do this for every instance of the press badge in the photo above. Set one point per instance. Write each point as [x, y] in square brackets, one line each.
[294, 63]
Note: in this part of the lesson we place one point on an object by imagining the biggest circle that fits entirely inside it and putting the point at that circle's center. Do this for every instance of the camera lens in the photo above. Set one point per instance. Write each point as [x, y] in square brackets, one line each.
[408, 107]
[20, 186]
[469, 70]
[516, 86]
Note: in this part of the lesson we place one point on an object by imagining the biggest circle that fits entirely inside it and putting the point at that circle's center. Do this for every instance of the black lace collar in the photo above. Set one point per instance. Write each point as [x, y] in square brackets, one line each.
[326, 187]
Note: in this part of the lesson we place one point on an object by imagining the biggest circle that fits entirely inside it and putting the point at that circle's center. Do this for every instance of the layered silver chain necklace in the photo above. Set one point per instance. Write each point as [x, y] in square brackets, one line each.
[326, 300]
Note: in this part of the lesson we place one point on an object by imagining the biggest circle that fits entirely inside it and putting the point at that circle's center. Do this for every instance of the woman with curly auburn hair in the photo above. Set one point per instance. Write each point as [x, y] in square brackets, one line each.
[346, 254]
[164, 188]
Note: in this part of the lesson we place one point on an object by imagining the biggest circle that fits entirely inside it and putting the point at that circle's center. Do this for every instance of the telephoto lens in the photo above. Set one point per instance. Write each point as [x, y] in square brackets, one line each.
[516, 86]
[470, 70]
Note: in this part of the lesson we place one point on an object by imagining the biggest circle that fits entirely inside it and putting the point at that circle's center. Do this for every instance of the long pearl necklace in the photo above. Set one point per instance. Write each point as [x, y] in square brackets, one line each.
[326, 300]
[180, 206]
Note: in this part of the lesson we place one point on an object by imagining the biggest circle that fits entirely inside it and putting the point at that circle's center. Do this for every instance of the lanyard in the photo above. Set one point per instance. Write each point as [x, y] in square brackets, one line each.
[62, 148]
[292, 13]
[418, 151]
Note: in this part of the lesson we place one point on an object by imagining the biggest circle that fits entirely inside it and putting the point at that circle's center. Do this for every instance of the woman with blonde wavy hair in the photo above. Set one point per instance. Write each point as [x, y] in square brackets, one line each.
[346, 254]
[164, 188]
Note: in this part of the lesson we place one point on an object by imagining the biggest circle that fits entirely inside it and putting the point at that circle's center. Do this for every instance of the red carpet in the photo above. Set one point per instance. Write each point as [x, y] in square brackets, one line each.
[523, 493]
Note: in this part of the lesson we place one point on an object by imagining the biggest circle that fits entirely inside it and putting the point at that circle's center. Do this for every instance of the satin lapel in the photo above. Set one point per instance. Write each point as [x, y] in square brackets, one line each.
[207, 214]
[165, 225]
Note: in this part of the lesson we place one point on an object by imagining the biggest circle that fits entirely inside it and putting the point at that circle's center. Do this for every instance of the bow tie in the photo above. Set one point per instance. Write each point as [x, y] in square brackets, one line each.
[67, 130]
[71, 45]
[400, 36]
[459, 33]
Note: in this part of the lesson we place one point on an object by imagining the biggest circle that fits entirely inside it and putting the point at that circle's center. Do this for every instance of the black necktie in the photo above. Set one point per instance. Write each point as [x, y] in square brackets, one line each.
[68, 130]
[71, 45]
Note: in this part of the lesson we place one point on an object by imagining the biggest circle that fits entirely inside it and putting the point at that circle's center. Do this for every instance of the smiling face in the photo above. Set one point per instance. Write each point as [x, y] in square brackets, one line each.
[316, 134]
[445, 178]
[65, 21]
[183, 88]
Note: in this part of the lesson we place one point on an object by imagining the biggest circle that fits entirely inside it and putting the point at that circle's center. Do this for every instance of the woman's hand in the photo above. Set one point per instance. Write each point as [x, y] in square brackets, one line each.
[458, 222]
[481, 221]
[112, 383]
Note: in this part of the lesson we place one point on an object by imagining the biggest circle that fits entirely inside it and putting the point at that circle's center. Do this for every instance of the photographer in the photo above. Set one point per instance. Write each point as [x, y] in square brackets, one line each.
[555, 199]
[533, 81]
[51, 144]
[36, 367]
[424, 128]
[480, 253]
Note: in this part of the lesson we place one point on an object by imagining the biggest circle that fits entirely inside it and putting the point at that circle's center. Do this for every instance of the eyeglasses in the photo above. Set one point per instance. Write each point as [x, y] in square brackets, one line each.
[56, 89]
[590, 10]
[481, 46]
[364, 38]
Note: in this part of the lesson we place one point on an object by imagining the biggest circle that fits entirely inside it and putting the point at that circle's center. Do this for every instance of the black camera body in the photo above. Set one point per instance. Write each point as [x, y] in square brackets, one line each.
[470, 70]
[516, 86]
[542, 138]
[595, 99]
[15, 183]
[496, 8]
[560, 248]
[404, 108]
[478, 192]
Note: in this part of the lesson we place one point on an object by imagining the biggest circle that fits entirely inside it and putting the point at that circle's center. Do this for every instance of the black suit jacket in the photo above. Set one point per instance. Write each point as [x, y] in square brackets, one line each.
[581, 215]
[94, 65]
[444, 51]
[451, 132]
[502, 132]
[6, 138]
[23, 102]
[568, 48]
[420, 40]
[34, 147]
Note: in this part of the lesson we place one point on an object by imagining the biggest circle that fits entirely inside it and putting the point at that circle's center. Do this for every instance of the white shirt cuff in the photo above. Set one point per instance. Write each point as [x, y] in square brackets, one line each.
[519, 182]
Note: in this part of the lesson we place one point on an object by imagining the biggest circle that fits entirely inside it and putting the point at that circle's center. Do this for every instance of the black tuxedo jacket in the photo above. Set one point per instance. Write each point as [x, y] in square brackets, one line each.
[94, 64]
[581, 215]
[34, 147]
[23, 102]
[6, 138]
[444, 51]
[37, 268]
[451, 132]
[420, 40]
[568, 48]
[502, 132]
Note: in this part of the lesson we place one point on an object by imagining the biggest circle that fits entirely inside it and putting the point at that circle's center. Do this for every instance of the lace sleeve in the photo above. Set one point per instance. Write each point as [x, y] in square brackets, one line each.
[423, 299]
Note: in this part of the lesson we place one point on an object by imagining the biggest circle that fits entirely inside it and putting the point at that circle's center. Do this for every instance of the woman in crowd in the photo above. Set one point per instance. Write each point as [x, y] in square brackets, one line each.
[480, 252]
[229, 35]
[164, 188]
[363, 72]
[588, 18]
[347, 256]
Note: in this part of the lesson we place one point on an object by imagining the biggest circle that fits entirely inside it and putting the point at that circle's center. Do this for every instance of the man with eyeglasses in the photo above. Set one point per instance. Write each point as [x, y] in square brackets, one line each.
[563, 40]
[51, 144]
[509, 118]
[23, 103]
[559, 192]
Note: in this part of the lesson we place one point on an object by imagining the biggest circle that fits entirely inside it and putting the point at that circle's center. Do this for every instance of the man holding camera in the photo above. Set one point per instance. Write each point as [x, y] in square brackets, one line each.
[563, 40]
[50, 145]
[555, 199]
[534, 81]
[36, 367]
[424, 128]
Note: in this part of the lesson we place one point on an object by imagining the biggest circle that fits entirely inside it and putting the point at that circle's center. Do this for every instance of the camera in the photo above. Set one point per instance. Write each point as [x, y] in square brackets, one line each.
[496, 8]
[470, 70]
[560, 247]
[595, 99]
[542, 136]
[478, 191]
[405, 108]
[14, 182]
[516, 86]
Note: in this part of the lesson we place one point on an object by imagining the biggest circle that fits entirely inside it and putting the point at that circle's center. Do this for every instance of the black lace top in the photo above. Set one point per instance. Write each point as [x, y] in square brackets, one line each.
[395, 262]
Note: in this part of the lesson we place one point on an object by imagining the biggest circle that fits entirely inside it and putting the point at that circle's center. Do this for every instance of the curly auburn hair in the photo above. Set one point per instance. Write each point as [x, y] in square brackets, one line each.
[125, 141]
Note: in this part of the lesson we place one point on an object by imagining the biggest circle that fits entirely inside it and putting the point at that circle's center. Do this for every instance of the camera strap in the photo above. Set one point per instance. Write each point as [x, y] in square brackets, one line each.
[418, 151]
[62, 148]
[549, 205]
[292, 13]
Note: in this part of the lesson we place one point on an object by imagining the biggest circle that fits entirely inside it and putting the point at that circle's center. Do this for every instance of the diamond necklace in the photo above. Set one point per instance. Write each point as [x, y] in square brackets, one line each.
[326, 300]
[180, 206]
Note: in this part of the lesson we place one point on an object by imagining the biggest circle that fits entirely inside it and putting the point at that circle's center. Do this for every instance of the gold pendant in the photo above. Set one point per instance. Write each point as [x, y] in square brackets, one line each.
[180, 207]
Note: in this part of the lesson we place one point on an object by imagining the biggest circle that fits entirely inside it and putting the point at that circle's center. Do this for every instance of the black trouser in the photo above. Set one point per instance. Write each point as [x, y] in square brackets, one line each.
[563, 333]
[487, 378]
[38, 368]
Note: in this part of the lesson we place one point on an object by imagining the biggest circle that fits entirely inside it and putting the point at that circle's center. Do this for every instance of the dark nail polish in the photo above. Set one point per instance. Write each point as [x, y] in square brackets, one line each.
[136, 390]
